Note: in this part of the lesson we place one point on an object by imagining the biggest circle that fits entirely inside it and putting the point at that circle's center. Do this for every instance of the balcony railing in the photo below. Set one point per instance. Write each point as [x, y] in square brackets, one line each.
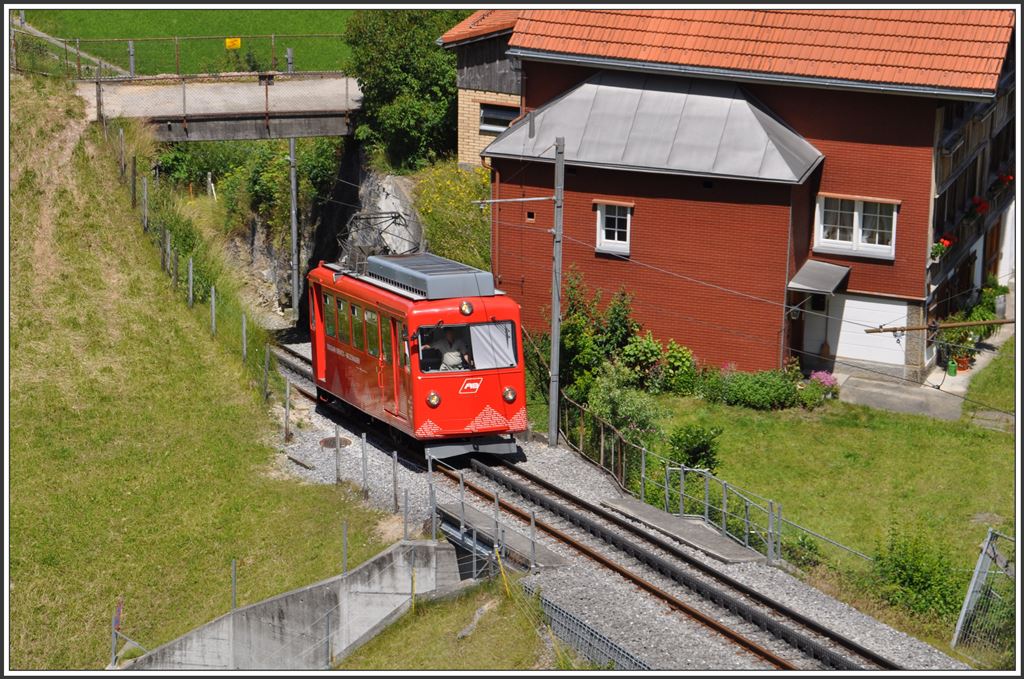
[970, 226]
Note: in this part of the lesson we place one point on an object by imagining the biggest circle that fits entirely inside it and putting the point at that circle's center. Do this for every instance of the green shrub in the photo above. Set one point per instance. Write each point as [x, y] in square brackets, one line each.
[642, 356]
[680, 369]
[634, 413]
[982, 312]
[918, 575]
[695, 446]
[616, 326]
[766, 390]
[811, 394]
[802, 551]
[711, 385]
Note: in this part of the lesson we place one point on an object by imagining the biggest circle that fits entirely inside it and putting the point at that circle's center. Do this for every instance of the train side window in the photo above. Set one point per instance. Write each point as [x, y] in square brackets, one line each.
[329, 315]
[385, 339]
[403, 337]
[357, 327]
[343, 329]
[372, 335]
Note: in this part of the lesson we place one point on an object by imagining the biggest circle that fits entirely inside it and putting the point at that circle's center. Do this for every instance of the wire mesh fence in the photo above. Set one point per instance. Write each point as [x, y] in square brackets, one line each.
[986, 628]
[746, 517]
[89, 58]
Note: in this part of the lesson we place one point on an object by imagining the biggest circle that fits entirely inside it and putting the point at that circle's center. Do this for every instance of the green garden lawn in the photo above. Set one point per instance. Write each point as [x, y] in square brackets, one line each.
[849, 472]
[201, 55]
[995, 384]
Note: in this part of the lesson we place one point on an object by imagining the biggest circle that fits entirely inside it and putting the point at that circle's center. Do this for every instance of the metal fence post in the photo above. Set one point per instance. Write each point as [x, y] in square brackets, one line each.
[771, 531]
[682, 489]
[213, 310]
[602, 442]
[462, 503]
[394, 478]
[145, 204]
[643, 474]
[725, 507]
[497, 529]
[190, 282]
[433, 515]
[99, 100]
[245, 347]
[366, 488]
[289, 58]
[474, 553]
[337, 452]
[234, 584]
[134, 180]
[330, 654]
[667, 472]
[131, 58]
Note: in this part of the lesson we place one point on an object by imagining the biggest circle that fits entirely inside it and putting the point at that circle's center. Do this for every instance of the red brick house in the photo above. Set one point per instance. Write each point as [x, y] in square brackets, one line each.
[764, 182]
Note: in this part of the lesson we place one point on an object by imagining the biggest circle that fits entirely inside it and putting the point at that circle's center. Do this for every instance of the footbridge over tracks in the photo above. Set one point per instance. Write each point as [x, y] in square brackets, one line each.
[229, 106]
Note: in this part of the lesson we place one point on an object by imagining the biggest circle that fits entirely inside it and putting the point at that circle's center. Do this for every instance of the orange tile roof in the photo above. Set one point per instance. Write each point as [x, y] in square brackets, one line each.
[480, 23]
[955, 49]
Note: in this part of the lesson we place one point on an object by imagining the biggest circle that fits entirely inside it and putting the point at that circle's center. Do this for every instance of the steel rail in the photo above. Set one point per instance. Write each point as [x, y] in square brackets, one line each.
[704, 568]
[709, 622]
[732, 635]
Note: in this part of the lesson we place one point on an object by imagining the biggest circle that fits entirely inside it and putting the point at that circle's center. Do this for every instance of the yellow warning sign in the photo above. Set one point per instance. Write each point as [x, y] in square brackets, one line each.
[232, 43]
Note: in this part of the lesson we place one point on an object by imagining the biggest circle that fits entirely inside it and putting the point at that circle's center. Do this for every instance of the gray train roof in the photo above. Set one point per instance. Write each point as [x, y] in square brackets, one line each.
[430, 276]
[664, 125]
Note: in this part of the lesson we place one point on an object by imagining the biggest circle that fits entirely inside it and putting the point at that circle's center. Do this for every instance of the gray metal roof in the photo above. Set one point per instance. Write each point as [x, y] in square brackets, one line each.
[816, 276]
[663, 124]
[430, 276]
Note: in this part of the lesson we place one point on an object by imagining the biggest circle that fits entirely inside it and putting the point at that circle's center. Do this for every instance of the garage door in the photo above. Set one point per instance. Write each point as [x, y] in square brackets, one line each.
[858, 312]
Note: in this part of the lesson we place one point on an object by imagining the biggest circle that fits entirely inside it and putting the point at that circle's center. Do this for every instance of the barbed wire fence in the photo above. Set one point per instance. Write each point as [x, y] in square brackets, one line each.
[985, 630]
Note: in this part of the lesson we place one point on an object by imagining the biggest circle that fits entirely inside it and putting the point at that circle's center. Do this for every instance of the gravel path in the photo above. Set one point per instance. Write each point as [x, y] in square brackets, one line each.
[662, 638]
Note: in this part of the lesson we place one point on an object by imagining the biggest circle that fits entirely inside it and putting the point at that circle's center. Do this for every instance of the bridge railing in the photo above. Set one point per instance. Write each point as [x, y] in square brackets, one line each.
[92, 58]
[176, 100]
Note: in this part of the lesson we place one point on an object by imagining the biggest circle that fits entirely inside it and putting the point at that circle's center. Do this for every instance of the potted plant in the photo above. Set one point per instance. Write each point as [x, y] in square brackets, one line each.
[941, 247]
[959, 342]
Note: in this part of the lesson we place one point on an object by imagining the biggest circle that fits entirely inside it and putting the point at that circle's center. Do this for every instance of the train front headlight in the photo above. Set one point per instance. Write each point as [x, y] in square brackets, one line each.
[433, 399]
[509, 394]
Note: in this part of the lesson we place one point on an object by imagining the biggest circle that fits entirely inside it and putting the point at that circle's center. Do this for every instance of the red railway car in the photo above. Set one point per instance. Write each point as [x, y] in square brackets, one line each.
[426, 345]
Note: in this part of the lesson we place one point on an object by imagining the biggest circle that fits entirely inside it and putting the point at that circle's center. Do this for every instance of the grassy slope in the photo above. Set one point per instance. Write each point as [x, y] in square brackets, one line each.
[137, 458]
[505, 638]
[324, 54]
[847, 471]
[995, 385]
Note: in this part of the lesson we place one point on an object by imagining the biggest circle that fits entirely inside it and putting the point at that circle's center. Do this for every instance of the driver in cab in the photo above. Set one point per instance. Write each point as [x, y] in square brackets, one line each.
[454, 352]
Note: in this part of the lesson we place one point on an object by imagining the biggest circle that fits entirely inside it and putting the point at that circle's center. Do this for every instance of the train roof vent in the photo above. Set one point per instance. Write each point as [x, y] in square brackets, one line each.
[430, 276]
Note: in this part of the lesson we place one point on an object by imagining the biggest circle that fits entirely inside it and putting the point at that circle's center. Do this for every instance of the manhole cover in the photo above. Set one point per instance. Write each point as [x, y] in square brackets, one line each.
[330, 441]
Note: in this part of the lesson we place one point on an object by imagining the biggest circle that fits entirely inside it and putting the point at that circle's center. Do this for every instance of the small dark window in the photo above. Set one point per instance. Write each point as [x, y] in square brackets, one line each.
[530, 217]
[496, 118]
[817, 302]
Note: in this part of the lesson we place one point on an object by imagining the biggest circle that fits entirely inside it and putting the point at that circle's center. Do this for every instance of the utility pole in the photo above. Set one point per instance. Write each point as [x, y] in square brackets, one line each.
[295, 231]
[556, 292]
[940, 326]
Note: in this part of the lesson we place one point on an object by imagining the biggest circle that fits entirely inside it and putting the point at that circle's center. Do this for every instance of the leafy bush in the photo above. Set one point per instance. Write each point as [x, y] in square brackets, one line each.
[642, 356]
[616, 327]
[810, 394]
[918, 575]
[634, 413]
[766, 390]
[407, 82]
[711, 385]
[680, 369]
[982, 312]
[454, 228]
[956, 341]
[695, 446]
[802, 551]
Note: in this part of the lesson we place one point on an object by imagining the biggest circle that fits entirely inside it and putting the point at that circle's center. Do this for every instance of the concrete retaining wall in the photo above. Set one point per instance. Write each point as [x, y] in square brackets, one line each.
[311, 627]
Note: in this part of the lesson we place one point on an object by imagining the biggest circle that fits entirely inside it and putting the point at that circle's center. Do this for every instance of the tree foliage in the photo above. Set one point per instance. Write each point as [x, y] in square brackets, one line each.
[407, 82]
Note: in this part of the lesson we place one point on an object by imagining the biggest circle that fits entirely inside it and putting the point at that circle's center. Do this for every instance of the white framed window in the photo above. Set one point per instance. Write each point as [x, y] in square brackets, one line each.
[494, 118]
[852, 226]
[613, 228]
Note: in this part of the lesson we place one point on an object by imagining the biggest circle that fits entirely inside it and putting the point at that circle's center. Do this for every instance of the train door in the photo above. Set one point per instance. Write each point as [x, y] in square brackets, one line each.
[316, 333]
[395, 367]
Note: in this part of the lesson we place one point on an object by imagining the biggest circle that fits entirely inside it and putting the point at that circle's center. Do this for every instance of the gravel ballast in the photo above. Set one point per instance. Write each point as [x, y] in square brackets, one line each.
[616, 608]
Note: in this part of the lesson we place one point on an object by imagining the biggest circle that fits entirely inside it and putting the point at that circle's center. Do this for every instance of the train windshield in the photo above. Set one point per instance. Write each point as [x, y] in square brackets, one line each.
[478, 346]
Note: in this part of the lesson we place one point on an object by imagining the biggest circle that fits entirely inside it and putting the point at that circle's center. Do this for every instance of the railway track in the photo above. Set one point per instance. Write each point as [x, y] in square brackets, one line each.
[778, 636]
